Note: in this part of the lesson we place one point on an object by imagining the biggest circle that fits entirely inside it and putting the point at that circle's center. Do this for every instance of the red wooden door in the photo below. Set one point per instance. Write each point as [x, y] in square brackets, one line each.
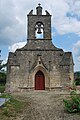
[39, 81]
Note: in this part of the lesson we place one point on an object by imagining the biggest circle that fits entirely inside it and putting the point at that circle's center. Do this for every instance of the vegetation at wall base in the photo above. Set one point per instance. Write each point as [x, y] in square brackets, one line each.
[12, 107]
[2, 81]
[77, 78]
[72, 103]
[2, 75]
[77, 81]
[2, 88]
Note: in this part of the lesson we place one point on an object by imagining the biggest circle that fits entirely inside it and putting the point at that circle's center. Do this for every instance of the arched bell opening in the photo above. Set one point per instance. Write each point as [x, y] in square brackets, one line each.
[39, 30]
[39, 81]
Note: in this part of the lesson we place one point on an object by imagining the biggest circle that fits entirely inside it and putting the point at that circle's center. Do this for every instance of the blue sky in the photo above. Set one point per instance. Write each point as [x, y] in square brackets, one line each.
[65, 25]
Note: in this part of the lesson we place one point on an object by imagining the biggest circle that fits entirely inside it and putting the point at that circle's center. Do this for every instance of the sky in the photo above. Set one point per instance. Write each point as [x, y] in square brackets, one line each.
[65, 25]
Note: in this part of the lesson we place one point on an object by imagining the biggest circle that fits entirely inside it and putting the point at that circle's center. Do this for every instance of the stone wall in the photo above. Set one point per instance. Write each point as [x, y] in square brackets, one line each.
[24, 62]
[39, 54]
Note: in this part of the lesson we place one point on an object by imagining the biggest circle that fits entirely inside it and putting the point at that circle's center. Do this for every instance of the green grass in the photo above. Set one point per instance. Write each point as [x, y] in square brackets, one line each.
[2, 88]
[11, 108]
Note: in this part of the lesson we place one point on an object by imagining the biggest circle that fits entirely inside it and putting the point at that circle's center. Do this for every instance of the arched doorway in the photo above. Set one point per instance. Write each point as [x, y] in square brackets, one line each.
[39, 81]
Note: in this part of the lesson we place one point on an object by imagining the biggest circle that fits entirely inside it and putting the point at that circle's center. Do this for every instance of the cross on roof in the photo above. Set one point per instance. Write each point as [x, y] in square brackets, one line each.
[39, 4]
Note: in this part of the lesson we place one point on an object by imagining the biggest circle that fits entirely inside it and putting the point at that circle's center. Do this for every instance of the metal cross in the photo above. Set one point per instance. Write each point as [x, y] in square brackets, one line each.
[39, 4]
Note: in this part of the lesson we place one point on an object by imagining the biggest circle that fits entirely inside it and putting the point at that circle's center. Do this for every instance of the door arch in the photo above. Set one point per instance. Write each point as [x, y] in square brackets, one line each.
[39, 81]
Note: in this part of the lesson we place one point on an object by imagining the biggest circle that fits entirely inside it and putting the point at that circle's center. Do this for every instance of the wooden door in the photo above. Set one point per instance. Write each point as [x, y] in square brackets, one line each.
[39, 81]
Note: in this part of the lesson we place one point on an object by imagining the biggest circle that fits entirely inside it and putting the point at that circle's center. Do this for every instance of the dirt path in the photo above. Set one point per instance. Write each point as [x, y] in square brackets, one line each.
[44, 106]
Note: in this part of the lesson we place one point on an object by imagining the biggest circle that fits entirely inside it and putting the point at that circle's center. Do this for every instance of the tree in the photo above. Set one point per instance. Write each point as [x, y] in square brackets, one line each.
[77, 78]
[0, 61]
[2, 65]
[2, 74]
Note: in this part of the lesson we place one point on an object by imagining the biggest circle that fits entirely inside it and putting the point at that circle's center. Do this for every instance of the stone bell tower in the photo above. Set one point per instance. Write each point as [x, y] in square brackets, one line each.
[39, 65]
[39, 26]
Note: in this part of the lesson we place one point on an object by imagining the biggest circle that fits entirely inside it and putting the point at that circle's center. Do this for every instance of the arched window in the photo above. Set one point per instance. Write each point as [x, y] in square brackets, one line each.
[39, 30]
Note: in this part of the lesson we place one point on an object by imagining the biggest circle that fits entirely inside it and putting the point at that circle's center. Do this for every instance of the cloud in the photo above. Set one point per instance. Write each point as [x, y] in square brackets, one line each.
[79, 58]
[13, 17]
[66, 24]
[74, 6]
[61, 21]
[76, 53]
[76, 48]
[16, 46]
[12, 25]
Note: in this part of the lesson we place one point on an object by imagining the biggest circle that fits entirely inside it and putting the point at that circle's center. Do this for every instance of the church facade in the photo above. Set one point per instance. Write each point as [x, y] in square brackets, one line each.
[39, 65]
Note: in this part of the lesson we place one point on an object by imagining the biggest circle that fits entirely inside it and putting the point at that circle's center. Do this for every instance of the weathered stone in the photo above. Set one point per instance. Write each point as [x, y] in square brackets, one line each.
[39, 54]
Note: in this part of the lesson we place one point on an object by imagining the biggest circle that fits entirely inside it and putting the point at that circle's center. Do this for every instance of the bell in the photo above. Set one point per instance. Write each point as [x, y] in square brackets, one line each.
[39, 31]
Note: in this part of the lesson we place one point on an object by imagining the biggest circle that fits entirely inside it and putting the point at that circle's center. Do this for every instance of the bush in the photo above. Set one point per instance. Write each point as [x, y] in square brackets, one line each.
[2, 88]
[72, 103]
[2, 78]
[77, 81]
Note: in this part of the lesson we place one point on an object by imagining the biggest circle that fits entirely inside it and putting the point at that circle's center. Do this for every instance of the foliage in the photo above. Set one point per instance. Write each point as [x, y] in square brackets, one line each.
[77, 81]
[77, 74]
[2, 88]
[2, 77]
[2, 66]
[72, 103]
[12, 106]
[77, 78]
[2, 82]
[5, 95]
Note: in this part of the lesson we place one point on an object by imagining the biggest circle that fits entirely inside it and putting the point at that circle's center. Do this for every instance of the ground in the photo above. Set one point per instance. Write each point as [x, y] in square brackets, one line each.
[44, 105]
[40, 105]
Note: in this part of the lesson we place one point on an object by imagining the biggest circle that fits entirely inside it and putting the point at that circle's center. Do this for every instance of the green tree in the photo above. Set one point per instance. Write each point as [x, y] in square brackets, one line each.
[2, 65]
[77, 78]
[2, 76]
[0, 61]
[2, 73]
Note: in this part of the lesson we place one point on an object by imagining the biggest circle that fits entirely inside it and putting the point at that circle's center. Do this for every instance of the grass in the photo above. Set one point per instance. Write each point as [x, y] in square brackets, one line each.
[2, 88]
[12, 107]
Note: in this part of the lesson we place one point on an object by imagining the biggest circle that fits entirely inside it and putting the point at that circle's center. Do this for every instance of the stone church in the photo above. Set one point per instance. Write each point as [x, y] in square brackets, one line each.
[39, 65]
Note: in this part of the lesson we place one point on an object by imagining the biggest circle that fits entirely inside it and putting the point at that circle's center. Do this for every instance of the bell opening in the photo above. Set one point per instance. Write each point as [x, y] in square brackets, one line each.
[39, 30]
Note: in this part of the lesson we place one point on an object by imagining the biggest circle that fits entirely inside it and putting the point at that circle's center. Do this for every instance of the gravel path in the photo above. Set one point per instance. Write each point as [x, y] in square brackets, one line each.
[44, 105]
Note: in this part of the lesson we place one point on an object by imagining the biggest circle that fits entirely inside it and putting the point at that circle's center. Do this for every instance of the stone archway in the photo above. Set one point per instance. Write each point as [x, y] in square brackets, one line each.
[39, 81]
